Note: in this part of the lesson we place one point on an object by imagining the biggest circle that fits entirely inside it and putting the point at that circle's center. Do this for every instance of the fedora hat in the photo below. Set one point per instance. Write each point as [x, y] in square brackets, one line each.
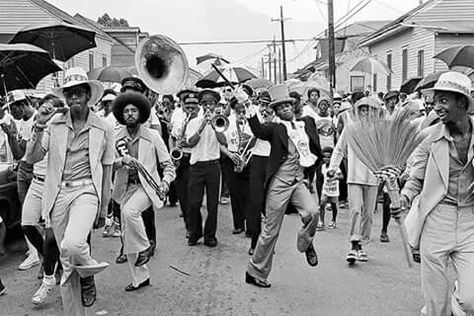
[279, 94]
[77, 76]
[134, 98]
[457, 82]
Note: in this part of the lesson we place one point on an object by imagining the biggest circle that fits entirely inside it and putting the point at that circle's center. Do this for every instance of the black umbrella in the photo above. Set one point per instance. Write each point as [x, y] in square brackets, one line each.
[22, 66]
[228, 75]
[429, 81]
[61, 40]
[408, 86]
[109, 74]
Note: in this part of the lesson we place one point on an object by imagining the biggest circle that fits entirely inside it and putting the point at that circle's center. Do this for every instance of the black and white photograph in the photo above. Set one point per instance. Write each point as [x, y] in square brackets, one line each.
[237, 157]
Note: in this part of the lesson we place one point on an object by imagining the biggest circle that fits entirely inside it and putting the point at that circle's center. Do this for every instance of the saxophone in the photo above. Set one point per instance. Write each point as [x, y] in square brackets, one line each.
[176, 152]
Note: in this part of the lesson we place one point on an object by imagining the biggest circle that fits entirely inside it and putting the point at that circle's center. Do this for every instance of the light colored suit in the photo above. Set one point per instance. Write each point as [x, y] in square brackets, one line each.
[441, 231]
[71, 211]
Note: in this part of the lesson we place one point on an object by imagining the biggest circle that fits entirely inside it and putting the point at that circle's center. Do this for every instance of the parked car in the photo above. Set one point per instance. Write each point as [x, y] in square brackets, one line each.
[10, 209]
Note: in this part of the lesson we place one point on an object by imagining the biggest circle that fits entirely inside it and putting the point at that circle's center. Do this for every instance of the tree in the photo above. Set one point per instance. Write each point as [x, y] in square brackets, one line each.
[107, 21]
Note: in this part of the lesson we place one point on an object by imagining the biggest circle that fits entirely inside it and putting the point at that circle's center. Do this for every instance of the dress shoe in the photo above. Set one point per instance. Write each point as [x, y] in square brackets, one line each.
[151, 250]
[88, 291]
[210, 241]
[143, 258]
[192, 241]
[248, 234]
[121, 259]
[257, 282]
[131, 288]
[311, 256]
[251, 251]
[237, 231]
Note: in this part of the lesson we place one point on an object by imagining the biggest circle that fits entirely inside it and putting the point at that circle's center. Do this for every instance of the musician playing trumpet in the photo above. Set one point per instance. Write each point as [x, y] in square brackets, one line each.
[237, 142]
[134, 190]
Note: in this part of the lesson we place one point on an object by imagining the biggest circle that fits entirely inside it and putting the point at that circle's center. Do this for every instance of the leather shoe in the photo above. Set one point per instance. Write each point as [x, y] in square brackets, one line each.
[192, 241]
[257, 282]
[121, 259]
[251, 251]
[237, 231]
[311, 256]
[143, 258]
[88, 291]
[210, 241]
[131, 288]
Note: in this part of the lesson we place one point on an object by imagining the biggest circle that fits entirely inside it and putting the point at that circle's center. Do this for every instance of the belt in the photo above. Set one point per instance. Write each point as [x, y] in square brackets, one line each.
[207, 163]
[39, 178]
[76, 183]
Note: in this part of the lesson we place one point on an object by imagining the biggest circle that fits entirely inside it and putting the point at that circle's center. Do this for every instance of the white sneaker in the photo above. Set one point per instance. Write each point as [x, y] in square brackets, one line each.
[29, 262]
[42, 294]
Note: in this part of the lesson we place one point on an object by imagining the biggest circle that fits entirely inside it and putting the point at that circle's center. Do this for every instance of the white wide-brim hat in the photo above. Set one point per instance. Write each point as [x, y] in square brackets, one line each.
[78, 76]
[453, 81]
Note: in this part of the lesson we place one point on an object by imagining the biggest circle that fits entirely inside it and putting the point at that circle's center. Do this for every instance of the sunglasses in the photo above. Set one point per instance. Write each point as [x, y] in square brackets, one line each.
[69, 93]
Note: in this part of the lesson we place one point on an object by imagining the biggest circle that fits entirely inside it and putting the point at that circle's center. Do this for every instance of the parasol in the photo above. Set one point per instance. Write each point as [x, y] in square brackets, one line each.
[457, 56]
[211, 56]
[370, 65]
[61, 40]
[259, 83]
[429, 81]
[234, 74]
[408, 86]
[22, 66]
[109, 74]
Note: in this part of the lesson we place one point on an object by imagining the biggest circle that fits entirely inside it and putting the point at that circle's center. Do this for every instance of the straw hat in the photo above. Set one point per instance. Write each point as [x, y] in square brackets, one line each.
[457, 82]
[77, 76]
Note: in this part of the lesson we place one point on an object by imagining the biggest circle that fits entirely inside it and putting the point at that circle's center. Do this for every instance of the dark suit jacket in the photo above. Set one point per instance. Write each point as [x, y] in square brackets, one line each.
[276, 134]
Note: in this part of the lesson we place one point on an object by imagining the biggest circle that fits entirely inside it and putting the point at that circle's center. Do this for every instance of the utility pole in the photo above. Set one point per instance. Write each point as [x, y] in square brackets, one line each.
[263, 67]
[269, 57]
[274, 62]
[279, 65]
[282, 27]
[332, 58]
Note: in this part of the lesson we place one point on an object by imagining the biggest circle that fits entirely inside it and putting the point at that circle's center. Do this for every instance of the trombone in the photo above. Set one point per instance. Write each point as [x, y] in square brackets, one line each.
[121, 147]
[244, 156]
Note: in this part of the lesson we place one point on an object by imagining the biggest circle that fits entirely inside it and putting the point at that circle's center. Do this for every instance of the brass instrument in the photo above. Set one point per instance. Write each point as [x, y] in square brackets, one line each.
[161, 64]
[176, 152]
[244, 154]
[220, 123]
[122, 148]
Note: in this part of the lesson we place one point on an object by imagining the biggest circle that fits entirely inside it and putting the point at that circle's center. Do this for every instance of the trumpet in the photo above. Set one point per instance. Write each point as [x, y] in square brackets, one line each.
[176, 152]
[220, 123]
[244, 156]
[121, 146]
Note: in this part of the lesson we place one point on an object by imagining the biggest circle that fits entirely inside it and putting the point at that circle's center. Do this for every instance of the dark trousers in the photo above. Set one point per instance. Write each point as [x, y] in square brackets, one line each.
[203, 175]
[224, 187]
[23, 179]
[239, 192]
[181, 185]
[257, 166]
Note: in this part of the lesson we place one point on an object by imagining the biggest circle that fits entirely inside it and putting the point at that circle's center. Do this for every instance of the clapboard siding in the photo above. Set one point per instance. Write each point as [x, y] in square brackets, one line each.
[17, 14]
[445, 10]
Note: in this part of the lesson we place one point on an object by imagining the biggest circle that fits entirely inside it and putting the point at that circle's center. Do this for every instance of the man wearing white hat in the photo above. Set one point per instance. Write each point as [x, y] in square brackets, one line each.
[77, 187]
[443, 175]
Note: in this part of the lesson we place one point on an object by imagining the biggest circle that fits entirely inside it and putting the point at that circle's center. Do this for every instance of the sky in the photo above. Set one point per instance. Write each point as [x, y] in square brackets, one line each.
[222, 20]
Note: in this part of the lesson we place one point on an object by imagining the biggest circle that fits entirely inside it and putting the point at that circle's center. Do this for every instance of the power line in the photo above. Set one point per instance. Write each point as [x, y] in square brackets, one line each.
[233, 42]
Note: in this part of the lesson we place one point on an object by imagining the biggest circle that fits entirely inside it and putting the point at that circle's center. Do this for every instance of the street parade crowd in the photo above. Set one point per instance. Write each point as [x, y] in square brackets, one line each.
[90, 158]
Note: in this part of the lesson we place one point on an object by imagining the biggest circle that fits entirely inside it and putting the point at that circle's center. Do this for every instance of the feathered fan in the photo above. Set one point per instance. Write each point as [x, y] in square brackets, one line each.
[384, 144]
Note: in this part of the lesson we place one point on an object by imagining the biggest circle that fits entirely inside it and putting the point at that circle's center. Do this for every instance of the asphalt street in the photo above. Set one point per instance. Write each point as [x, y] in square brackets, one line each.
[210, 281]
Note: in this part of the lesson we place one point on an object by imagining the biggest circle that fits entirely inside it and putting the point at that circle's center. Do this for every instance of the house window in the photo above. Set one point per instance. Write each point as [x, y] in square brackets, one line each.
[375, 83]
[421, 62]
[389, 76]
[404, 64]
[357, 83]
[91, 60]
[104, 60]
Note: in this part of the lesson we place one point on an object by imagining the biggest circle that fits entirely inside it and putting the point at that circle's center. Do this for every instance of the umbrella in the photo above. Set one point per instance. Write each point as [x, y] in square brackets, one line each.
[259, 83]
[408, 86]
[457, 56]
[22, 66]
[234, 74]
[370, 65]
[61, 40]
[208, 56]
[302, 88]
[428, 81]
[109, 74]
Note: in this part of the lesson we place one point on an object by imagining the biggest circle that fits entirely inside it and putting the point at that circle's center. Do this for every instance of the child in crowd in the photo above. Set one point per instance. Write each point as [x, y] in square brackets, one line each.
[330, 190]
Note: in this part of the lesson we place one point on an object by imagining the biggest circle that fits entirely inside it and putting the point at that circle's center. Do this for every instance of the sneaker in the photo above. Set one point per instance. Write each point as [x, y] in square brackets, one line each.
[106, 232]
[332, 225]
[29, 262]
[42, 294]
[224, 200]
[320, 226]
[117, 232]
[351, 256]
[362, 256]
